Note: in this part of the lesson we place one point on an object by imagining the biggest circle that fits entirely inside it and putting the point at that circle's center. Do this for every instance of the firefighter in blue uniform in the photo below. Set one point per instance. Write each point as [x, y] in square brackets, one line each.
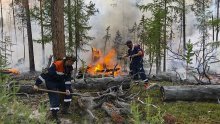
[58, 77]
[135, 53]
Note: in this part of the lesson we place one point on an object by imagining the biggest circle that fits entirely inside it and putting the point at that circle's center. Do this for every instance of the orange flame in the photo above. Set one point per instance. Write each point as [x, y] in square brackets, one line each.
[11, 70]
[96, 54]
[105, 65]
[14, 71]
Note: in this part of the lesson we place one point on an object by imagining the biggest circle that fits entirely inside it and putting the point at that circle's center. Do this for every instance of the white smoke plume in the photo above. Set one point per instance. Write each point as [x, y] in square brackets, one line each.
[118, 14]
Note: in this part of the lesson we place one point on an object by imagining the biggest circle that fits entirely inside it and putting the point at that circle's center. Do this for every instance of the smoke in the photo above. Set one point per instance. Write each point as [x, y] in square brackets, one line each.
[118, 14]
[194, 35]
[17, 59]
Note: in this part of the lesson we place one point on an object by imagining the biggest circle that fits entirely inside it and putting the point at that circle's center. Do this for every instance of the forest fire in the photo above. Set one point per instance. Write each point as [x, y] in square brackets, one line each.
[10, 71]
[105, 65]
[96, 54]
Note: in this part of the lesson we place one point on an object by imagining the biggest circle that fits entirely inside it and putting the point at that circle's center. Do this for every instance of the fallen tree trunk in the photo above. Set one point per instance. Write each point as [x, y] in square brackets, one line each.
[89, 83]
[190, 92]
[101, 83]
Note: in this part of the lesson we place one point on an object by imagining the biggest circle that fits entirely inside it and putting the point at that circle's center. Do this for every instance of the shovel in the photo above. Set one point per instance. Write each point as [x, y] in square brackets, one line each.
[60, 92]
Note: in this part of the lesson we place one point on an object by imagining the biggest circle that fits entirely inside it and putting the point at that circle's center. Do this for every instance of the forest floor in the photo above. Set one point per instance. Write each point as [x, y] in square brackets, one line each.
[194, 112]
[154, 110]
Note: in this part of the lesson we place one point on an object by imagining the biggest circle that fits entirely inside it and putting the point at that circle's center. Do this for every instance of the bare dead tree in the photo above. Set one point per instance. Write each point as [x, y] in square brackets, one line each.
[217, 27]
[29, 32]
[184, 24]
[23, 35]
[2, 22]
[213, 29]
[42, 31]
[203, 61]
[14, 22]
[106, 37]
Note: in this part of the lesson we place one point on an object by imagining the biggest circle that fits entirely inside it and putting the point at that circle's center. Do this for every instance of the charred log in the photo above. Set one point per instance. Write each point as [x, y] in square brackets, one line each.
[87, 104]
[114, 112]
[101, 83]
[26, 76]
[108, 70]
[190, 92]
[93, 84]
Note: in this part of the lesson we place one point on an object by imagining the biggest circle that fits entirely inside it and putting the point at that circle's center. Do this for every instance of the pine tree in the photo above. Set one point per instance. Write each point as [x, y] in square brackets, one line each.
[25, 4]
[160, 10]
[57, 21]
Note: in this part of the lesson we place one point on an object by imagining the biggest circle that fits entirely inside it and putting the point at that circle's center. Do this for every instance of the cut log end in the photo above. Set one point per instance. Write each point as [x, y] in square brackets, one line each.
[190, 93]
[163, 97]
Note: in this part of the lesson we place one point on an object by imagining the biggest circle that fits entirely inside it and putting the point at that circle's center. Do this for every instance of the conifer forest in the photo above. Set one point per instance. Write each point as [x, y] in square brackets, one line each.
[109, 61]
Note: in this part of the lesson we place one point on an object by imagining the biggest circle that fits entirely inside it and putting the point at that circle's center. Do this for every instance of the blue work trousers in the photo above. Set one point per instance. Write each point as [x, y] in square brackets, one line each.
[55, 97]
[136, 70]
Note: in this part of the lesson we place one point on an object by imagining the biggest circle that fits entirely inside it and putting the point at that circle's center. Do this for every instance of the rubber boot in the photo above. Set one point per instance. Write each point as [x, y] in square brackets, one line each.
[55, 117]
[66, 106]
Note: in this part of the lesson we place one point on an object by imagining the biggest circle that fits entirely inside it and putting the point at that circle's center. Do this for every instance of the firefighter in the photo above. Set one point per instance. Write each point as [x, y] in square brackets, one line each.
[135, 53]
[58, 77]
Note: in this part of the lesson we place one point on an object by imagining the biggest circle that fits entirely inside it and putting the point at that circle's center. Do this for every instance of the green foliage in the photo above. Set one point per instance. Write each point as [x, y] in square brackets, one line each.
[5, 53]
[11, 110]
[2, 61]
[202, 15]
[154, 25]
[135, 113]
[189, 53]
[205, 112]
[46, 19]
[214, 22]
[153, 113]
[214, 45]
[81, 13]
[14, 112]
[76, 18]
[154, 29]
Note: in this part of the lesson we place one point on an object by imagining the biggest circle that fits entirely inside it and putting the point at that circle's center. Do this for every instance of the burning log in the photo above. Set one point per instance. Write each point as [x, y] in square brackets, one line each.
[26, 76]
[96, 54]
[108, 70]
[190, 92]
[10, 71]
[104, 64]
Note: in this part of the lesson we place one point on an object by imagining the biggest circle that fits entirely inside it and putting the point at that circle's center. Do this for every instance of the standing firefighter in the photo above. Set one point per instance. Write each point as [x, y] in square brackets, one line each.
[58, 77]
[135, 53]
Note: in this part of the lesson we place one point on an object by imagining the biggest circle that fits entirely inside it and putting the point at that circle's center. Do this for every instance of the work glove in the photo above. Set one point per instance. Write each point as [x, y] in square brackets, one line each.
[132, 56]
[35, 87]
[67, 92]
